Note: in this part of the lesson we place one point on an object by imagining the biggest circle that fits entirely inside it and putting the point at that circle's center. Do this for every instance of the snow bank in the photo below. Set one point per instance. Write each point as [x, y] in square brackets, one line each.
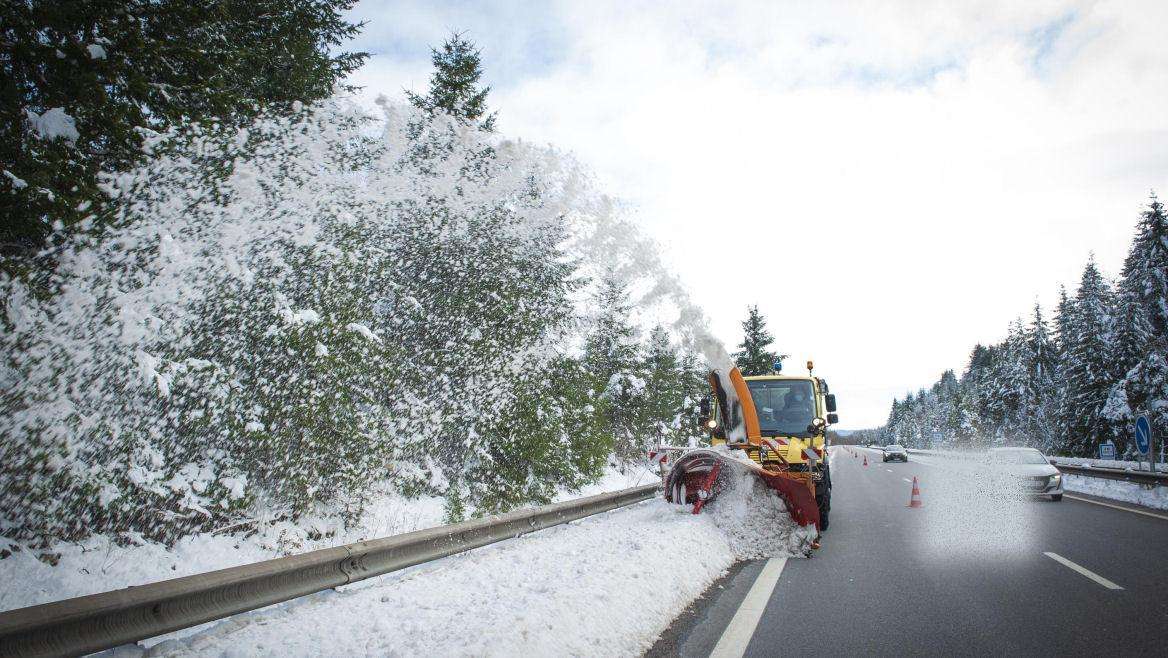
[755, 520]
[1128, 492]
[605, 585]
[1108, 463]
[102, 563]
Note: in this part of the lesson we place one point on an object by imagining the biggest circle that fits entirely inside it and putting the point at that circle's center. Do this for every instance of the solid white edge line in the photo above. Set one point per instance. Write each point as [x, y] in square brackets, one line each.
[738, 632]
[1082, 570]
[1119, 507]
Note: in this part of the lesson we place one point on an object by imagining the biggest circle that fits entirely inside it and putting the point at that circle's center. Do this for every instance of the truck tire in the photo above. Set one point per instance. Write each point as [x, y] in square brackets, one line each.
[824, 504]
[823, 501]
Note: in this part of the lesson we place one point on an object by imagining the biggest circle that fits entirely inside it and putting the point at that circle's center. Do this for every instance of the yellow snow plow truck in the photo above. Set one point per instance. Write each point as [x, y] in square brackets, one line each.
[780, 422]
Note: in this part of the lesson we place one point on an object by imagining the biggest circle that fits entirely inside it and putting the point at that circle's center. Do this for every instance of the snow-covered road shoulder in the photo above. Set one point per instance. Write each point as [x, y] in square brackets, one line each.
[606, 585]
[1155, 497]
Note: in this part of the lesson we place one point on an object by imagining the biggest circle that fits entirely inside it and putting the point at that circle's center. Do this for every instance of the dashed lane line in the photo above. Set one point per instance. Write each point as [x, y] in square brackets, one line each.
[737, 635]
[1126, 509]
[907, 480]
[1082, 570]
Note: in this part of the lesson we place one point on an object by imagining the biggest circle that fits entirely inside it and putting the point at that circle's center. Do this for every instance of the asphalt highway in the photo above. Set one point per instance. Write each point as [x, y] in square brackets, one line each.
[971, 572]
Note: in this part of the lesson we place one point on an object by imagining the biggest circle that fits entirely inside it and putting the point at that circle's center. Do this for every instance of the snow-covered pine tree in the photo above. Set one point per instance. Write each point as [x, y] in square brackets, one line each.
[1148, 266]
[754, 356]
[975, 425]
[454, 86]
[84, 82]
[1011, 378]
[969, 429]
[947, 415]
[673, 385]
[1141, 332]
[1088, 374]
[1037, 410]
[612, 356]
[992, 400]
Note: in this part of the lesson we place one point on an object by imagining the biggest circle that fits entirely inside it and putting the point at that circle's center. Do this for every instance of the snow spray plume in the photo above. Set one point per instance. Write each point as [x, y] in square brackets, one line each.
[611, 241]
[283, 315]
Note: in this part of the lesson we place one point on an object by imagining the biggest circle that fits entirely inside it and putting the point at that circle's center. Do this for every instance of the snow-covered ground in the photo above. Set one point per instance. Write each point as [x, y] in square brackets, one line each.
[604, 585]
[101, 564]
[1108, 463]
[1128, 492]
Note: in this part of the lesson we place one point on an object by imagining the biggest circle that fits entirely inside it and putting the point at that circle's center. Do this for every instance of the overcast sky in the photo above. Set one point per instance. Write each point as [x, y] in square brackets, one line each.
[896, 182]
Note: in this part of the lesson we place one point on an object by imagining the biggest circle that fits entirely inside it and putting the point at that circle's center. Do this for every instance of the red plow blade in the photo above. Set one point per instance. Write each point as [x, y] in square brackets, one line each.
[693, 480]
[797, 492]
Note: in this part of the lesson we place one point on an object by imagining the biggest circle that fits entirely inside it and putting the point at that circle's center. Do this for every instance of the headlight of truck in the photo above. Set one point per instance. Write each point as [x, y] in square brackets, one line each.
[1055, 479]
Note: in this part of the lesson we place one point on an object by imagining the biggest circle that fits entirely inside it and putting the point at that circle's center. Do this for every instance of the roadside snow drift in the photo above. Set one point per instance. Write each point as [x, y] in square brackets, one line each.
[606, 585]
[755, 520]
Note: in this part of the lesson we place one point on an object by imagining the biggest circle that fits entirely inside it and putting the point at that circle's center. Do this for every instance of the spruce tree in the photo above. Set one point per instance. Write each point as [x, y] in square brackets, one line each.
[1141, 317]
[754, 356]
[81, 82]
[1037, 415]
[454, 85]
[1088, 376]
[666, 386]
[1012, 377]
[612, 356]
[1146, 268]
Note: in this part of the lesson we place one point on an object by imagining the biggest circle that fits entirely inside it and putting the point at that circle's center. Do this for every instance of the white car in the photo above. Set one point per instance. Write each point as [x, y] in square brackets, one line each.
[1039, 477]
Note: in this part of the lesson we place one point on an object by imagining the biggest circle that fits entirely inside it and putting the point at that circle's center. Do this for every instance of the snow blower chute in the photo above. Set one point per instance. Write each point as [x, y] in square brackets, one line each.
[790, 458]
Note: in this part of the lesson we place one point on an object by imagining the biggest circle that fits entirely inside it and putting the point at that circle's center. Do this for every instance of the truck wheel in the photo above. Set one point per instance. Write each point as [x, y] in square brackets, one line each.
[824, 504]
[823, 501]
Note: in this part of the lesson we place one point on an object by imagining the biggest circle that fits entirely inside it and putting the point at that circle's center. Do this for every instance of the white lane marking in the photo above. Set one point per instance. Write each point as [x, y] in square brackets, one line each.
[1126, 509]
[907, 480]
[1082, 570]
[737, 635]
[888, 469]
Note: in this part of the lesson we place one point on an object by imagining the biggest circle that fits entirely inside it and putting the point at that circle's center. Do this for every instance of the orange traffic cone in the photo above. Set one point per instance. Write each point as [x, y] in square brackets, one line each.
[865, 460]
[915, 500]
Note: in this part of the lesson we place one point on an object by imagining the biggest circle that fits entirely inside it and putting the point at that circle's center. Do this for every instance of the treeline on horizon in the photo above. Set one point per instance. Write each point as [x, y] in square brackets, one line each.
[1063, 382]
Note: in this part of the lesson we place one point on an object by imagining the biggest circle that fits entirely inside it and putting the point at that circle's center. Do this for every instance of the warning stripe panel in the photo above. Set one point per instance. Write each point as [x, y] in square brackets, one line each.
[775, 444]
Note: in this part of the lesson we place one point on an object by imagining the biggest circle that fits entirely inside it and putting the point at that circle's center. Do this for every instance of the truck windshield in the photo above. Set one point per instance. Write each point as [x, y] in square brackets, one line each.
[785, 406]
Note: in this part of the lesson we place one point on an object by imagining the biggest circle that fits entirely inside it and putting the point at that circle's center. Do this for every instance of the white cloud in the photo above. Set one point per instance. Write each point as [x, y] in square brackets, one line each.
[896, 182]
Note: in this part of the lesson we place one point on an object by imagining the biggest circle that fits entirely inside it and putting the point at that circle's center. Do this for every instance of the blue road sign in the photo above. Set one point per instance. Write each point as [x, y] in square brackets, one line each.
[1143, 435]
[1107, 450]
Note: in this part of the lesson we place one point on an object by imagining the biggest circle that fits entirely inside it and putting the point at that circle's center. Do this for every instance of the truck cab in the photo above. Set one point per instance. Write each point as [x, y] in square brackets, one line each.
[794, 413]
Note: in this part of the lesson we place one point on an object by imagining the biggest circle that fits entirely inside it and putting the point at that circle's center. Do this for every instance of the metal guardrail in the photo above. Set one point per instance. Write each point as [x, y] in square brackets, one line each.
[102, 621]
[1138, 477]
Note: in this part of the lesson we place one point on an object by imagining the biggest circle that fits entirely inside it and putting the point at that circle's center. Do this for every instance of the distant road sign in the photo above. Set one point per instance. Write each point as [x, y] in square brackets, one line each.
[1107, 450]
[1143, 435]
